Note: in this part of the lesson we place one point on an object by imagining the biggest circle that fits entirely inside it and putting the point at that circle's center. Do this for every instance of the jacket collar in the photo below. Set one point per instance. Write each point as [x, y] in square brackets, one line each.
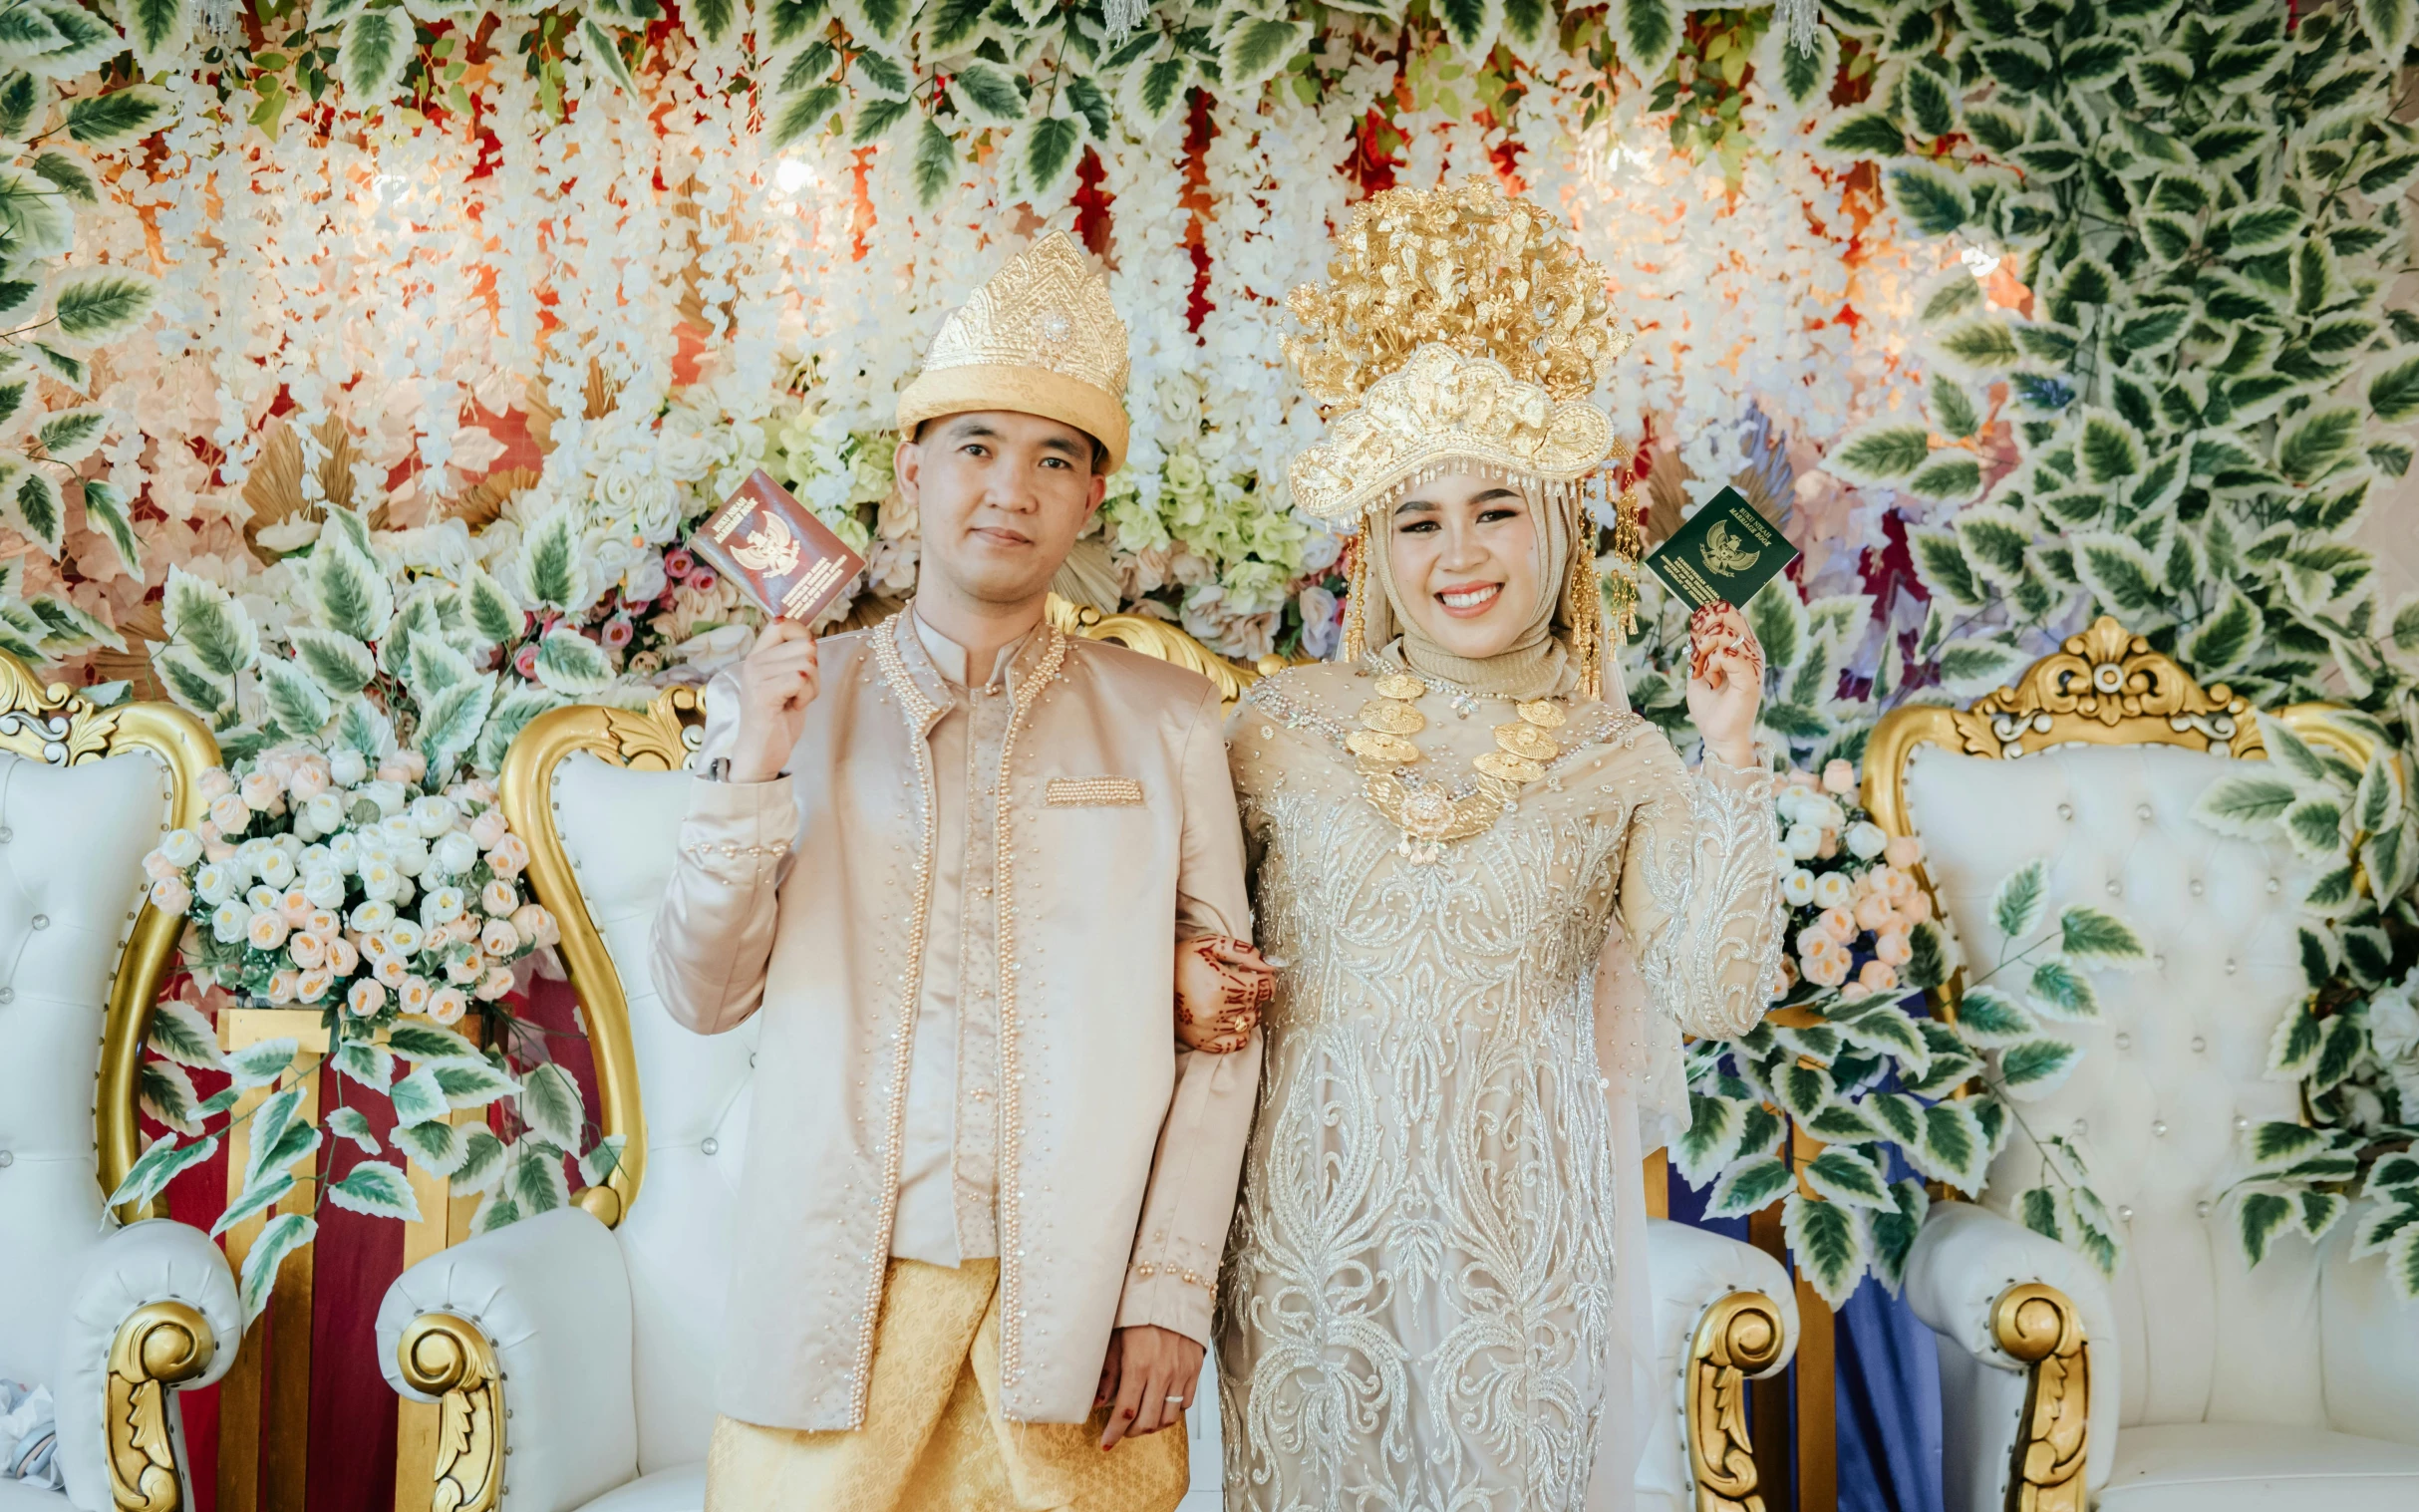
[907, 663]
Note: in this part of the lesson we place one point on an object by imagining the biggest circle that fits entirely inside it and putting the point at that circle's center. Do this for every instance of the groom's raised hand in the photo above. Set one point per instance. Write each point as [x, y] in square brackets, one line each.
[777, 681]
[1147, 1382]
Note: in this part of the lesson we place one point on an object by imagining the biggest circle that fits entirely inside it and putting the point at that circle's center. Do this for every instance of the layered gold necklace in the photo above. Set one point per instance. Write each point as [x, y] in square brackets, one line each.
[1426, 813]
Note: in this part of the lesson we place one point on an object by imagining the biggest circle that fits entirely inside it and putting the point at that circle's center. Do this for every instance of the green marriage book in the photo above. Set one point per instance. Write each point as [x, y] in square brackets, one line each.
[1725, 550]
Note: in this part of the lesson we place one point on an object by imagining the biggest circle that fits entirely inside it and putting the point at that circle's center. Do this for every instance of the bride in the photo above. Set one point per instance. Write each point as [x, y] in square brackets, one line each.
[1437, 1262]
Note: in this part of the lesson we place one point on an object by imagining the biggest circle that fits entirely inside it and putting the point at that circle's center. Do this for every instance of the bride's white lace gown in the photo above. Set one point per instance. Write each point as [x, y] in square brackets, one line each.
[1418, 1308]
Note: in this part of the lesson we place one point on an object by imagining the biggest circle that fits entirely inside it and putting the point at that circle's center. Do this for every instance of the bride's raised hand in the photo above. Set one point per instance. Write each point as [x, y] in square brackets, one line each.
[1726, 681]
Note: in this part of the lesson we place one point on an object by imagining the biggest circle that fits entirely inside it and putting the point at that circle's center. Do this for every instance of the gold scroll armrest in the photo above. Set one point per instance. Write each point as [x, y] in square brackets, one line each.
[1739, 1337]
[1169, 643]
[160, 1345]
[2040, 1327]
[450, 1360]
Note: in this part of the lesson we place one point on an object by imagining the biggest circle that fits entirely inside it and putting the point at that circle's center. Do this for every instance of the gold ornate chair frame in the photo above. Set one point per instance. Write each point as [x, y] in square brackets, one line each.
[2102, 687]
[167, 1342]
[1738, 1336]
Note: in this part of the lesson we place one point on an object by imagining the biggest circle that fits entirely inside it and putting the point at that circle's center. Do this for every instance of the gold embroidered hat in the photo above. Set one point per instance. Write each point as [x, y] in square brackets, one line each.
[1459, 328]
[1040, 338]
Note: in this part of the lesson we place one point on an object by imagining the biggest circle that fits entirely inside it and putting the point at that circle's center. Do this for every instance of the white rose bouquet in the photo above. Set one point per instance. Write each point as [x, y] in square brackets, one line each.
[329, 880]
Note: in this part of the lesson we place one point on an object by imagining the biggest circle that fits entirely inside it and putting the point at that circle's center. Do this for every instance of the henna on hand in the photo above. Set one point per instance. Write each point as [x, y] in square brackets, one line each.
[1712, 635]
[1222, 987]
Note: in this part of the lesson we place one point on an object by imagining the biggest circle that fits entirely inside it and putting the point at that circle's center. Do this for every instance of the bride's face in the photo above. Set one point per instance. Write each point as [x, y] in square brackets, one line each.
[1463, 551]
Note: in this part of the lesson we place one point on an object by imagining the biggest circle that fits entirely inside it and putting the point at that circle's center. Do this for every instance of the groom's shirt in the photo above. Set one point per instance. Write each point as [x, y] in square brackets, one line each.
[958, 916]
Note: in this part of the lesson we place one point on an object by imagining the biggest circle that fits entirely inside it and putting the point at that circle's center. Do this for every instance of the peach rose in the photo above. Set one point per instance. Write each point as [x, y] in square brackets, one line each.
[510, 857]
[281, 986]
[342, 957]
[1839, 777]
[312, 985]
[1876, 977]
[231, 813]
[390, 970]
[413, 994]
[215, 784]
[366, 998]
[448, 1004]
[266, 931]
[1904, 850]
[1893, 948]
[1839, 924]
[308, 950]
[170, 896]
[498, 983]
[1873, 911]
[1916, 906]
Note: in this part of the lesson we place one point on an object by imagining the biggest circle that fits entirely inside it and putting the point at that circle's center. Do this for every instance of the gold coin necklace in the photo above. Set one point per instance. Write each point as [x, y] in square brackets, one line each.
[1429, 815]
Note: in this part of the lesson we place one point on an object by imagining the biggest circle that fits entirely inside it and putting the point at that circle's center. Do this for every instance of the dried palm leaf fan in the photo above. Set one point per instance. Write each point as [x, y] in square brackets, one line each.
[483, 503]
[274, 489]
[597, 401]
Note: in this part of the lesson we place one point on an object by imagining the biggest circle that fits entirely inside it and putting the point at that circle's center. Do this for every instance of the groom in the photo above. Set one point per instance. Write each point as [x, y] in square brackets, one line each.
[957, 869]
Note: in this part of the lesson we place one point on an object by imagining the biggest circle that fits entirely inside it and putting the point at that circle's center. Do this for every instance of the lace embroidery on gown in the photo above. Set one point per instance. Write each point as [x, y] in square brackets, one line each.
[1418, 1305]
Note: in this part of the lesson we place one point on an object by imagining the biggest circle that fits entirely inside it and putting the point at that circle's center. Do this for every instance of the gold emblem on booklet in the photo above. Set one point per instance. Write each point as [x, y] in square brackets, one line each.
[774, 548]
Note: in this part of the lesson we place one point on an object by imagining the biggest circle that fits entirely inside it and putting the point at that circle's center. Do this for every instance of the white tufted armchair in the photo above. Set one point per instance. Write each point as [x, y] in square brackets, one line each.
[2189, 1381]
[111, 1320]
[584, 1348]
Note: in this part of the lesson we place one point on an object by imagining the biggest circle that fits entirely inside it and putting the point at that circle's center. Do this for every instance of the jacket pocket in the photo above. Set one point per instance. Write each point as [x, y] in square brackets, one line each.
[1093, 792]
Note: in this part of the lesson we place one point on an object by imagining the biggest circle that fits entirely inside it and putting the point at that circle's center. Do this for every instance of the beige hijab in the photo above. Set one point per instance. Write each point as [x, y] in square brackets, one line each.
[1538, 662]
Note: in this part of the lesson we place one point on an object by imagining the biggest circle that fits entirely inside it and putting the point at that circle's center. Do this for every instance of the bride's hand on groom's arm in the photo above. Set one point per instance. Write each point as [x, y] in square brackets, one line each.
[1222, 985]
[1147, 1382]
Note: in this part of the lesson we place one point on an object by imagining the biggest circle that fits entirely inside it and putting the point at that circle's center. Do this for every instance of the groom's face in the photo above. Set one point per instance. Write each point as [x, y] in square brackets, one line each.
[1000, 498]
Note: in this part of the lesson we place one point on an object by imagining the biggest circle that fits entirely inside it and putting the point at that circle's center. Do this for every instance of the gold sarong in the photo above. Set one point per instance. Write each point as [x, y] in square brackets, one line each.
[934, 1439]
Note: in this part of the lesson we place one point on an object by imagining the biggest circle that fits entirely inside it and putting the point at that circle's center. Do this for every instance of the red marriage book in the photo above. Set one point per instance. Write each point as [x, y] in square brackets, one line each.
[772, 547]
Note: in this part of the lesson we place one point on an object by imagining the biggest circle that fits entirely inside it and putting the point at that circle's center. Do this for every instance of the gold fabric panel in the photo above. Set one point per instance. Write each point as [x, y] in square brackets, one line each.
[934, 1439]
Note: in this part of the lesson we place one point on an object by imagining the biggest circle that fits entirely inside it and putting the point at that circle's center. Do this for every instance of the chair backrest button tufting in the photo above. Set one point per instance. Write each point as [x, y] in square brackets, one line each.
[2200, 1209]
[42, 921]
[2159, 1127]
[2196, 887]
[2065, 811]
[2142, 813]
[708, 1146]
[2113, 888]
[2125, 1042]
[2125, 1214]
[8, 995]
[6, 835]
[2229, 966]
[7, 1159]
[2274, 885]
[2081, 1128]
[2242, 1122]
[2198, 1046]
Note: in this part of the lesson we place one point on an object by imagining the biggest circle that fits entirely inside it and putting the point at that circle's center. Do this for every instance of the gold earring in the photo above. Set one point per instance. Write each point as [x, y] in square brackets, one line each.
[1355, 584]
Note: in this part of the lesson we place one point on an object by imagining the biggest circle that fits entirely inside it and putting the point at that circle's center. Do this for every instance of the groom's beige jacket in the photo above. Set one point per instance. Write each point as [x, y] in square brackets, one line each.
[808, 898]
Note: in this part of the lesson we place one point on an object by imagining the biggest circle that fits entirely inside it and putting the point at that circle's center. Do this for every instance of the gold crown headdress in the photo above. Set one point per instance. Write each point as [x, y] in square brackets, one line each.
[1039, 338]
[1462, 330]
